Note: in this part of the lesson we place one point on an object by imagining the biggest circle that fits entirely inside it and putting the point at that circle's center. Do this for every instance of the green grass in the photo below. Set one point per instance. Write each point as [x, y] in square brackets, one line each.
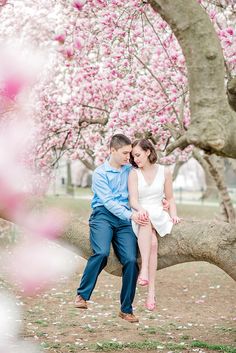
[197, 211]
[146, 345]
[82, 207]
[112, 346]
[227, 329]
[151, 330]
[41, 323]
[214, 347]
[155, 345]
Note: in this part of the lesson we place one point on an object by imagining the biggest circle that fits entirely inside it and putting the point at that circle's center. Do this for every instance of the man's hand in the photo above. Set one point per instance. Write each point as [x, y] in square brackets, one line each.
[166, 205]
[141, 217]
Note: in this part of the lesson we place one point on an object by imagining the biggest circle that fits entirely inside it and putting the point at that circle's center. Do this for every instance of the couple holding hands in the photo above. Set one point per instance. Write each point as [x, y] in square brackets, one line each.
[129, 210]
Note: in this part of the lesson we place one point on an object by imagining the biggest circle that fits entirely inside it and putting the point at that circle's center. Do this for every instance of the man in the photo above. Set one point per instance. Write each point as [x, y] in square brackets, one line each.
[110, 222]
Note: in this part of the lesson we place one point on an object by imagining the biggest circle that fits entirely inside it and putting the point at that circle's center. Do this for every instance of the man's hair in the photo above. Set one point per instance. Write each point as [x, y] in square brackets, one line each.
[119, 141]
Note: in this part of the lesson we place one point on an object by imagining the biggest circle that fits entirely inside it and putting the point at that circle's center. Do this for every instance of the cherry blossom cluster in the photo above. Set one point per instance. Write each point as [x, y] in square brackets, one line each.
[126, 73]
[112, 67]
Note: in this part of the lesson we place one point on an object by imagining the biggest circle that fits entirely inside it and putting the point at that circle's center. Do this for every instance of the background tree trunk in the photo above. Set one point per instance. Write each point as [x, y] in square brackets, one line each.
[69, 186]
[213, 122]
[231, 93]
[214, 166]
[211, 192]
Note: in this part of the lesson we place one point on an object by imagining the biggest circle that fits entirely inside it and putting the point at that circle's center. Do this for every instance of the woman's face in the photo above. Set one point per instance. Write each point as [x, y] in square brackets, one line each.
[140, 156]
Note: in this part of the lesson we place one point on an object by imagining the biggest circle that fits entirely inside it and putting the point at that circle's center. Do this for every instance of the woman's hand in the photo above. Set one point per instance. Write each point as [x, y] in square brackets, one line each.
[166, 205]
[143, 214]
[176, 219]
[141, 220]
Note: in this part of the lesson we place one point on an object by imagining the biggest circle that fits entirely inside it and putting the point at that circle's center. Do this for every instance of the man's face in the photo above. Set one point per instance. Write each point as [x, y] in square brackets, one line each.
[122, 155]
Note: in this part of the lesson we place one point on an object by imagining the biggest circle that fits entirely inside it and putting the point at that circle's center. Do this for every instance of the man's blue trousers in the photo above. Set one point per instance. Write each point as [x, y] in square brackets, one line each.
[107, 229]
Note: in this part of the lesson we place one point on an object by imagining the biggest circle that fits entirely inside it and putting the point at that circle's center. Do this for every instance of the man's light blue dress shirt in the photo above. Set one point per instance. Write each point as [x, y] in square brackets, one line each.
[110, 188]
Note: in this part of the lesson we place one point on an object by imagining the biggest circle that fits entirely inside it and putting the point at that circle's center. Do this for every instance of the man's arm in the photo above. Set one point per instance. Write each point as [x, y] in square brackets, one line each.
[102, 189]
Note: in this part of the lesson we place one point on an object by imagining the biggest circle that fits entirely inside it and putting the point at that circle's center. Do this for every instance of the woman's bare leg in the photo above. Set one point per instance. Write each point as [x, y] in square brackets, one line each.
[144, 243]
[152, 272]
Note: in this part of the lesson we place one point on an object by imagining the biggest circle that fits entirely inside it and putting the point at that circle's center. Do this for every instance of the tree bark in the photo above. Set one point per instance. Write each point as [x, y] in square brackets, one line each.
[218, 175]
[69, 186]
[213, 122]
[191, 240]
[231, 93]
[177, 167]
[211, 192]
[214, 167]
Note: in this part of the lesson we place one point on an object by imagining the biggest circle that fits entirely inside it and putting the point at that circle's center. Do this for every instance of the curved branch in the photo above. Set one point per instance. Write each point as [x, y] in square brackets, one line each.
[191, 240]
[182, 142]
[212, 121]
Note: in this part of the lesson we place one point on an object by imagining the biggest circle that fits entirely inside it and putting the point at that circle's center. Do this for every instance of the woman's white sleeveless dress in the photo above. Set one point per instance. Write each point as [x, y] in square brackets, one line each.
[150, 198]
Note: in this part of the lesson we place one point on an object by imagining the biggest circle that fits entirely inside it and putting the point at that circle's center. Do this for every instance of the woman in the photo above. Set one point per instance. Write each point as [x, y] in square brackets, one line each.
[148, 184]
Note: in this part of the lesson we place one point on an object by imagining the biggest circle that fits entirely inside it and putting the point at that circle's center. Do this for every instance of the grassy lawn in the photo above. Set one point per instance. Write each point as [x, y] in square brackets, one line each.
[195, 310]
[81, 206]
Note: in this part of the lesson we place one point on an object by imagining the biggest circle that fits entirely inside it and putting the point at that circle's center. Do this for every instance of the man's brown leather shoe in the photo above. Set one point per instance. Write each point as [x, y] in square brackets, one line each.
[128, 317]
[80, 303]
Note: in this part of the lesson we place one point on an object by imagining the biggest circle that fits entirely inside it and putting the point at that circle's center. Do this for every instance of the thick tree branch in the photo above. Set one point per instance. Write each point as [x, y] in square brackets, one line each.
[213, 123]
[191, 240]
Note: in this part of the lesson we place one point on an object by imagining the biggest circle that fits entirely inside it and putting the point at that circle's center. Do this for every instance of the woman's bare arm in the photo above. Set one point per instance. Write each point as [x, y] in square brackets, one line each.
[133, 190]
[168, 188]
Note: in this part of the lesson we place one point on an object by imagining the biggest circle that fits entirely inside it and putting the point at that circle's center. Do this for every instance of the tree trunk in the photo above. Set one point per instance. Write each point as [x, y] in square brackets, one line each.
[69, 186]
[213, 166]
[216, 165]
[191, 240]
[211, 192]
[231, 93]
[177, 167]
[213, 122]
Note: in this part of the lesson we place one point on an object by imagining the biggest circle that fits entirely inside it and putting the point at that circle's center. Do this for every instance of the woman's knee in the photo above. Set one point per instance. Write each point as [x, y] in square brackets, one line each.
[146, 226]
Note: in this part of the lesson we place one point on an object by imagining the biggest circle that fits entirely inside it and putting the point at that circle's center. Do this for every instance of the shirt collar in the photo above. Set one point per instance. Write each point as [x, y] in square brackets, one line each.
[109, 168]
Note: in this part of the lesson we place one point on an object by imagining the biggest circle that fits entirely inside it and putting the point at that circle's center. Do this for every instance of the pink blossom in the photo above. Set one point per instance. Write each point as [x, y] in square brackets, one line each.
[212, 14]
[60, 38]
[230, 30]
[12, 87]
[49, 223]
[78, 43]
[69, 52]
[78, 4]
[33, 264]
[12, 202]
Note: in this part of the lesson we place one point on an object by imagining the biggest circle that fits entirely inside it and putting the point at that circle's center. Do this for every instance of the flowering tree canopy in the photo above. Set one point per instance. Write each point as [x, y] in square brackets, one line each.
[153, 68]
[130, 67]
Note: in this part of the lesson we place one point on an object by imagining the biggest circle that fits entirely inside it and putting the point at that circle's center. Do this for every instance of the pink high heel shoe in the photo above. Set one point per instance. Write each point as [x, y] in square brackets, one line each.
[150, 305]
[143, 282]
